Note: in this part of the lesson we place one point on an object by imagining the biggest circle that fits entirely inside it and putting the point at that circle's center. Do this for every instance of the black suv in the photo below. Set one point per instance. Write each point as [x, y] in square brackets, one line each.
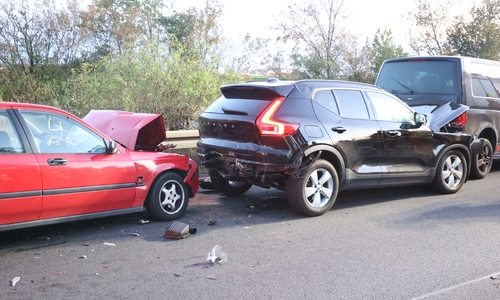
[313, 138]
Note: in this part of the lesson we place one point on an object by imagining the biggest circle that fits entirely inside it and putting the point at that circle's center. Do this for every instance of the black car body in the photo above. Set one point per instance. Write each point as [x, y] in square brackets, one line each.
[316, 137]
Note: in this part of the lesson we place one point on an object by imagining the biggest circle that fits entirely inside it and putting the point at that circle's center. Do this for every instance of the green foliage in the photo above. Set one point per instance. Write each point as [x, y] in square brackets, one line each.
[479, 37]
[178, 25]
[383, 47]
[428, 24]
[146, 80]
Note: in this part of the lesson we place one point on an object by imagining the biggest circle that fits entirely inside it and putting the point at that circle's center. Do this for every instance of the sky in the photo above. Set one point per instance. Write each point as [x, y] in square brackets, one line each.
[364, 17]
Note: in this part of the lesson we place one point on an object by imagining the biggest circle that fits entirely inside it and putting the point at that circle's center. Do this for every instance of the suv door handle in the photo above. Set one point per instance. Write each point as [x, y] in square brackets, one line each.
[393, 133]
[57, 161]
[339, 129]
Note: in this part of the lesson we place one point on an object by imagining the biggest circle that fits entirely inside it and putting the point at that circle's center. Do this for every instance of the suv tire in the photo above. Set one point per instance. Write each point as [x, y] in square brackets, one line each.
[314, 193]
[451, 172]
[229, 187]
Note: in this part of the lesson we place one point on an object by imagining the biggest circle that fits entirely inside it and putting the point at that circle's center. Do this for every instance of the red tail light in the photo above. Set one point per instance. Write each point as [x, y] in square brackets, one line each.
[269, 126]
[460, 121]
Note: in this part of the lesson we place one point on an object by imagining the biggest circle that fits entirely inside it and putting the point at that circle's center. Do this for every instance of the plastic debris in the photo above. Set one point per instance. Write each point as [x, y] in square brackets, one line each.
[83, 256]
[14, 281]
[217, 255]
[212, 222]
[108, 244]
[134, 234]
[142, 221]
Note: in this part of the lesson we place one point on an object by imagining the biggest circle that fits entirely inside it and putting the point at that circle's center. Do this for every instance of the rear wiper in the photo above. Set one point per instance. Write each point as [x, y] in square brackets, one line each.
[403, 85]
[234, 112]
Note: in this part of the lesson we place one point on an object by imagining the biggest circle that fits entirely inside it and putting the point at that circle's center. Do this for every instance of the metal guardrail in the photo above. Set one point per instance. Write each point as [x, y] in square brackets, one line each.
[182, 138]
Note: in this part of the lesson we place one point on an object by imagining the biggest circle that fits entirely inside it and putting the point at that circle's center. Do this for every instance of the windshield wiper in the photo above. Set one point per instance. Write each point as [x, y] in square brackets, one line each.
[403, 85]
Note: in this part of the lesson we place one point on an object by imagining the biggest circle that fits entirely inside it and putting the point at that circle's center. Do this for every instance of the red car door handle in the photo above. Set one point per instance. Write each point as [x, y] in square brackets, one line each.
[57, 161]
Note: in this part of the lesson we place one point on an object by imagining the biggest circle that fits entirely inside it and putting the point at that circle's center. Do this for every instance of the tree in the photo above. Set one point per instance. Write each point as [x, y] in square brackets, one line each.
[109, 25]
[251, 55]
[144, 79]
[358, 64]
[479, 37]
[39, 45]
[315, 28]
[428, 25]
[383, 48]
[179, 26]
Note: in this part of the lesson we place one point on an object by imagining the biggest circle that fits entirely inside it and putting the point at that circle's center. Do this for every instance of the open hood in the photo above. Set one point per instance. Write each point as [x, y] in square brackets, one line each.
[440, 114]
[137, 131]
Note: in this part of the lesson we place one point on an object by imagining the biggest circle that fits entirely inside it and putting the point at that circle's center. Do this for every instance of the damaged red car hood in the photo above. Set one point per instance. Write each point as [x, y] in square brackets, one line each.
[137, 131]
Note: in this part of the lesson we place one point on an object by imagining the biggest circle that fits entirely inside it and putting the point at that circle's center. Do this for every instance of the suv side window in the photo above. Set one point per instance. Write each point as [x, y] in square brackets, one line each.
[351, 104]
[326, 99]
[389, 109]
[9, 140]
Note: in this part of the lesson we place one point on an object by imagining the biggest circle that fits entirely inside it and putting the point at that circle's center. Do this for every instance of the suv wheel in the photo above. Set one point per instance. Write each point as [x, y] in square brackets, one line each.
[481, 163]
[229, 187]
[315, 192]
[451, 172]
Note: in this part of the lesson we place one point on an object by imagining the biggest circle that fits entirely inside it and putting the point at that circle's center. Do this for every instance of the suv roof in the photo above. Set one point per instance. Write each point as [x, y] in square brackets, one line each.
[283, 88]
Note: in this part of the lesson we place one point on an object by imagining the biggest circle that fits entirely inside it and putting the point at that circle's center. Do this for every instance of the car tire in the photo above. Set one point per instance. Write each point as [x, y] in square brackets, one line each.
[168, 198]
[314, 193]
[451, 172]
[481, 163]
[229, 187]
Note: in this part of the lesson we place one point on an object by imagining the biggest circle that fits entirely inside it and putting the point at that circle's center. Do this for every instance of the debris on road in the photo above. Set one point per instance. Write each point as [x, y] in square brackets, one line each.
[217, 255]
[83, 257]
[212, 222]
[14, 281]
[178, 230]
[206, 183]
[108, 244]
[134, 234]
[143, 221]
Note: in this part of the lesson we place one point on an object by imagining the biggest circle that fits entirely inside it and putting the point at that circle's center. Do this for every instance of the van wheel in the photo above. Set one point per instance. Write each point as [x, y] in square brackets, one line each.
[229, 187]
[314, 193]
[481, 163]
[451, 172]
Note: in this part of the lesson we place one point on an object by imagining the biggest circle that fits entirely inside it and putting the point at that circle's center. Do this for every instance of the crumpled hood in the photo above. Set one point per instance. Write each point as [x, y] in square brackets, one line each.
[137, 131]
[440, 114]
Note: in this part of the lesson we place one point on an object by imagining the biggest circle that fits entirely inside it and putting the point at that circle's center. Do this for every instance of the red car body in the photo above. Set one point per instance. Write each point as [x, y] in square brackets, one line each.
[56, 167]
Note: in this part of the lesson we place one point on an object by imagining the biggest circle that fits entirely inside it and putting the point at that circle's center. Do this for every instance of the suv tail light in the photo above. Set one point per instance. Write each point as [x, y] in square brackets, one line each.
[269, 126]
[460, 121]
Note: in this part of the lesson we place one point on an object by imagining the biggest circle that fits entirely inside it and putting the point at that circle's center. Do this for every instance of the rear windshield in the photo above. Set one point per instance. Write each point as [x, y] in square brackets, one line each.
[414, 77]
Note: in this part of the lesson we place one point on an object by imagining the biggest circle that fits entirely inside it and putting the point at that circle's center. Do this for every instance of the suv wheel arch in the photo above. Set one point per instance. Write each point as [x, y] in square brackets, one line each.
[328, 153]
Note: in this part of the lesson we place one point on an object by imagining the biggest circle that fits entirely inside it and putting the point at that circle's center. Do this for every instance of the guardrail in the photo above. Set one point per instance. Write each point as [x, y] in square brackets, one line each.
[184, 139]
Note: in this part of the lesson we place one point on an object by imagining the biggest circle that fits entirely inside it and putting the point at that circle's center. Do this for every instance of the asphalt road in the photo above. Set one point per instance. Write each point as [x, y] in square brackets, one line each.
[392, 243]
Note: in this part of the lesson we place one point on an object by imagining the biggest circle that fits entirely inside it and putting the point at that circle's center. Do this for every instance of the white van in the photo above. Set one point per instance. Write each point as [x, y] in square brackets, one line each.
[421, 81]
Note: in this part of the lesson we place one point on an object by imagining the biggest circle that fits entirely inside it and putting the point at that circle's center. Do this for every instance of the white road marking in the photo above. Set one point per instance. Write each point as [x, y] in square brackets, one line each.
[454, 287]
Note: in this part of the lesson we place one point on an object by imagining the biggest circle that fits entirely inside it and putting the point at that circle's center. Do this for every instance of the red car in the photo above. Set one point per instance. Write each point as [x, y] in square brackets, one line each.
[56, 167]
